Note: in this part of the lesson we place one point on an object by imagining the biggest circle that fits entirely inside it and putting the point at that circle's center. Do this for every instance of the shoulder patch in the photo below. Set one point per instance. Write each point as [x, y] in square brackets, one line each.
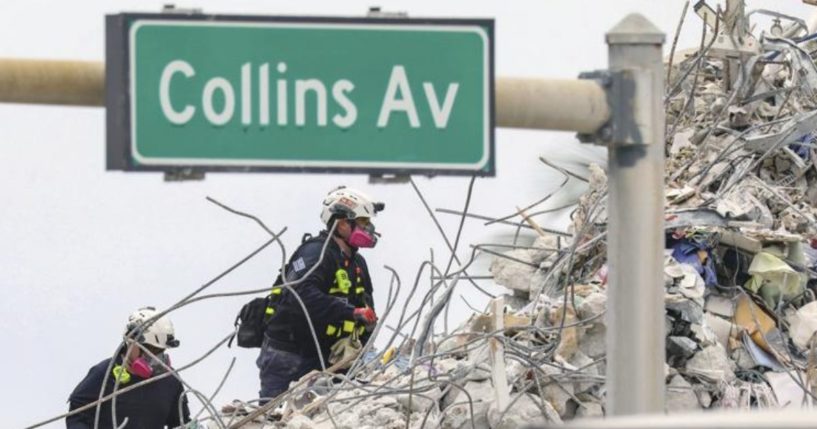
[299, 265]
[304, 258]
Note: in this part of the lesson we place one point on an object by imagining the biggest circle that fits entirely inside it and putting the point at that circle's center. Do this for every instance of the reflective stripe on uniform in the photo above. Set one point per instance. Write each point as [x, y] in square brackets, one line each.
[276, 291]
[121, 374]
[360, 290]
[348, 326]
[331, 330]
[342, 281]
[270, 311]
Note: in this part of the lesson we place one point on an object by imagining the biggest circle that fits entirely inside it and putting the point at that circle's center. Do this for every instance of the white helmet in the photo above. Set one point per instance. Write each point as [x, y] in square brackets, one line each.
[159, 334]
[350, 204]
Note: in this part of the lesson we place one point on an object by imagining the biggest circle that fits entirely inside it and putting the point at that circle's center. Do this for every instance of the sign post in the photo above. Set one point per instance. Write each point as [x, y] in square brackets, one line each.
[315, 94]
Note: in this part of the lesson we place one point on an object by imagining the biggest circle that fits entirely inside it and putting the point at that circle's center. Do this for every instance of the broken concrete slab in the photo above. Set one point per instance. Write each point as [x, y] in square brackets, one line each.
[786, 389]
[680, 396]
[587, 366]
[720, 305]
[704, 398]
[679, 349]
[458, 406]
[803, 325]
[679, 306]
[722, 328]
[593, 305]
[743, 360]
[555, 390]
[711, 364]
[592, 343]
[523, 412]
[589, 410]
[459, 416]
[703, 334]
[514, 270]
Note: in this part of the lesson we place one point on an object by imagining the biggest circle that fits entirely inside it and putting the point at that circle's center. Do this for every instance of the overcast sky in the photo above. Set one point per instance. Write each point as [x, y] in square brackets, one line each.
[83, 247]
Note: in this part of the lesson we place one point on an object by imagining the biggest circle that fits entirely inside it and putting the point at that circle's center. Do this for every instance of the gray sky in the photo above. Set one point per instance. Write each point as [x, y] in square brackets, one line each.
[82, 247]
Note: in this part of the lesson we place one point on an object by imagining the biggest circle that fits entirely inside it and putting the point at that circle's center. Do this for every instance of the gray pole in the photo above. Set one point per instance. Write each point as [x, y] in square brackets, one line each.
[635, 319]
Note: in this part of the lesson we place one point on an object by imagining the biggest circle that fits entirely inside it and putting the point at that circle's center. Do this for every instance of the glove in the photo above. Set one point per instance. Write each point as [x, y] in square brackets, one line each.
[365, 316]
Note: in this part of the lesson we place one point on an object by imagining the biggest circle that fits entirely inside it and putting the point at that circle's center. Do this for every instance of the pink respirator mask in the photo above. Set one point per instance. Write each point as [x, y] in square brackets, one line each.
[362, 236]
[146, 367]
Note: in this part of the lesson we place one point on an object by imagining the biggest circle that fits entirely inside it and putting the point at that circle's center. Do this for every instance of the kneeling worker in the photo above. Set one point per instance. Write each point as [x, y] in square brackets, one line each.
[337, 293]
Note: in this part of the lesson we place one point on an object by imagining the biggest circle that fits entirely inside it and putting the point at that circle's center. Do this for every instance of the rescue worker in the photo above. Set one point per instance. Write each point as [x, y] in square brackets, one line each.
[335, 289]
[155, 405]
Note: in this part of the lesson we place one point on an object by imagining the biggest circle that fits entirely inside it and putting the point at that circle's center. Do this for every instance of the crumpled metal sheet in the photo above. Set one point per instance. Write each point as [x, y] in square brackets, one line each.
[798, 127]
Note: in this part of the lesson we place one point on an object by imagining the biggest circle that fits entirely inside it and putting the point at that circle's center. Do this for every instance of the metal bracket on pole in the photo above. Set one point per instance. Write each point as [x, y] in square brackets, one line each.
[389, 178]
[171, 8]
[605, 133]
[628, 95]
[183, 175]
[377, 12]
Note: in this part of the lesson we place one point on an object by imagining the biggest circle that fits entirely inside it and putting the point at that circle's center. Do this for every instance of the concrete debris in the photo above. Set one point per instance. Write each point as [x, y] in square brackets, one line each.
[459, 406]
[704, 398]
[740, 280]
[711, 364]
[515, 270]
[683, 309]
[786, 389]
[522, 413]
[743, 360]
[679, 349]
[803, 325]
[680, 396]
[589, 410]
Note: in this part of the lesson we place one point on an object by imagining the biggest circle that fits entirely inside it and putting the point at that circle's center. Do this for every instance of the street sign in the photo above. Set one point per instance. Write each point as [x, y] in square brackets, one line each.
[213, 92]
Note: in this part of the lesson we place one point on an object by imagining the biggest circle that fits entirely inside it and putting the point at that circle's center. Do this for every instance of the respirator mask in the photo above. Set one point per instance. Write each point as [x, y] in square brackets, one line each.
[362, 236]
[147, 366]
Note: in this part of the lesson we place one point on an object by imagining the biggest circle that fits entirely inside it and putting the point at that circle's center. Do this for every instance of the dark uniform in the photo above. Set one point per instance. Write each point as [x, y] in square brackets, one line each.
[337, 286]
[151, 406]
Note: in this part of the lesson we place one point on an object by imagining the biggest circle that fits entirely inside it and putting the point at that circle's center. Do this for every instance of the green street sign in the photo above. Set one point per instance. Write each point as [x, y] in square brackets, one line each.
[215, 93]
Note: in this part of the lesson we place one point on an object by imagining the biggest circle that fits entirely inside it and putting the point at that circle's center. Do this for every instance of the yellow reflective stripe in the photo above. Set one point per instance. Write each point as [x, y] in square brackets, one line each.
[342, 279]
[361, 330]
[121, 374]
[348, 326]
[270, 311]
[276, 291]
[331, 330]
[360, 290]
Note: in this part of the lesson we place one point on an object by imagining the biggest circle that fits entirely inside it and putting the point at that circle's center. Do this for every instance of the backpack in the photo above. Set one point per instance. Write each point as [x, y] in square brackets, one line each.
[250, 323]
[252, 320]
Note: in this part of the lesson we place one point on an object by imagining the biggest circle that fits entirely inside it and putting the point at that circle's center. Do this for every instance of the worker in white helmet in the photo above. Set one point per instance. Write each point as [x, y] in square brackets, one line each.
[156, 404]
[335, 288]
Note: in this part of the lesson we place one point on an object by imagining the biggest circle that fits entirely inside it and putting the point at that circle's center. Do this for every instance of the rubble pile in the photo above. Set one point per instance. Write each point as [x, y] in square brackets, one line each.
[740, 281]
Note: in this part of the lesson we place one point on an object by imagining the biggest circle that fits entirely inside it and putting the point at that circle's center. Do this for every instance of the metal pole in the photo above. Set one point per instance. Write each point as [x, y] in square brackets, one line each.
[551, 104]
[80, 83]
[556, 104]
[635, 319]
